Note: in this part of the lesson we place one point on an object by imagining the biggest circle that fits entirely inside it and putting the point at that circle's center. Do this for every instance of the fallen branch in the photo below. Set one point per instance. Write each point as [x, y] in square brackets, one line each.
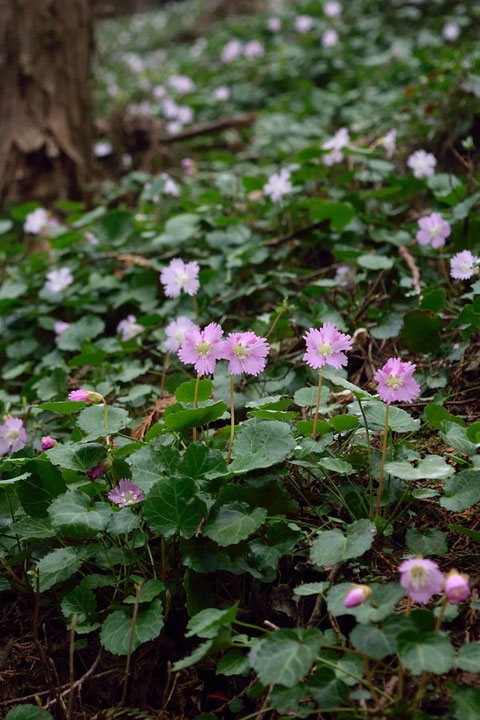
[298, 233]
[209, 127]
[405, 253]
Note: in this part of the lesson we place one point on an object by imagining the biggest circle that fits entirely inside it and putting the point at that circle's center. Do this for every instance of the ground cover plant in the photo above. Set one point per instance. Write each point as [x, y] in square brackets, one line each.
[240, 401]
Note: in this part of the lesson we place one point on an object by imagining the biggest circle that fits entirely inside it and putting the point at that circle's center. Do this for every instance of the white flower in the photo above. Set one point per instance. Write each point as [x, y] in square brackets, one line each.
[221, 93]
[129, 328]
[253, 49]
[170, 187]
[58, 280]
[303, 23]
[340, 140]
[422, 163]
[182, 84]
[36, 221]
[389, 142]
[329, 38]
[278, 185]
[102, 148]
[231, 51]
[451, 31]
[332, 9]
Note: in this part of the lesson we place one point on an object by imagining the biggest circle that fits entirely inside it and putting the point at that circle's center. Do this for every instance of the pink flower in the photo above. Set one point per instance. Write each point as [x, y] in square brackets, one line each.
[326, 346]
[203, 348]
[338, 141]
[451, 31]
[253, 49]
[182, 84]
[303, 23]
[189, 166]
[159, 92]
[246, 353]
[231, 51]
[58, 280]
[462, 265]
[395, 381]
[176, 331]
[421, 578]
[457, 588]
[13, 436]
[357, 595]
[433, 229]
[332, 9]
[345, 277]
[60, 328]
[278, 185]
[389, 142]
[422, 163]
[126, 494]
[221, 93]
[88, 396]
[36, 222]
[180, 276]
[96, 472]
[329, 38]
[129, 328]
[48, 442]
[274, 24]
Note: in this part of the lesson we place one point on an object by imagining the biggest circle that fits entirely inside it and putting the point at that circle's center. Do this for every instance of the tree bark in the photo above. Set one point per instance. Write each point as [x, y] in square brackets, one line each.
[45, 102]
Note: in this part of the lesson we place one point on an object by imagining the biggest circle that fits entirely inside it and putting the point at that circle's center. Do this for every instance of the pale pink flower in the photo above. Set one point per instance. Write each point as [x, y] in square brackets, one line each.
[329, 38]
[91, 239]
[36, 222]
[129, 328]
[462, 265]
[182, 84]
[203, 348]
[395, 381]
[102, 148]
[332, 9]
[126, 494]
[88, 396]
[422, 163]
[421, 578]
[185, 114]
[357, 595]
[221, 93]
[278, 185]
[48, 442]
[170, 108]
[13, 436]
[451, 31]
[345, 277]
[180, 276]
[457, 588]
[60, 328]
[173, 127]
[338, 141]
[246, 353]
[231, 51]
[58, 280]
[253, 49]
[189, 166]
[95, 472]
[274, 24]
[170, 187]
[176, 331]
[303, 23]
[326, 346]
[389, 142]
[433, 229]
[159, 92]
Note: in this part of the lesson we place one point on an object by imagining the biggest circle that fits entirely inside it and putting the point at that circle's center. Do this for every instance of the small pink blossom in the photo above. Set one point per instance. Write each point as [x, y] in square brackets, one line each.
[180, 276]
[176, 331]
[58, 280]
[326, 346]
[345, 277]
[48, 442]
[173, 127]
[88, 396]
[60, 328]
[221, 93]
[462, 265]
[159, 92]
[13, 436]
[422, 163]
[126, 494]
[303, 23]
[246, 353]
[457, 588]
[36, 222]
[338, 141]
[421, 579]
[278, 185]
[182, 84]
[129, 328]
[95, 472]
[357, 595]
[395, 381]
[189, 166]
[253, 49]
[451, 31]
[274, 24]
[102, 148]
[329, 38]
[231, 51]
[389, 142]
[203, 348]
[433, 229]
[332, 9]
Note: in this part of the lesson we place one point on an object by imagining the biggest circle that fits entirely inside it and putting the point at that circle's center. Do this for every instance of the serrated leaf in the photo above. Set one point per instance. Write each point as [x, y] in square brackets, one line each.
[285, 656]
[43, 485]
[149, 464]
[73, 517]
[117, 628]
[333, 546]
[467, 703]
[261, 444]
[194, 657]
[233, 662]
[57, 566]
[327, 689]
[78, 457]
[171, 507]
[468, 658]
[234, 522]
[425, 651]
[207, 623]
[92, 421]
[81, 601]
[431, 542]
[461, 491]
[149, 590]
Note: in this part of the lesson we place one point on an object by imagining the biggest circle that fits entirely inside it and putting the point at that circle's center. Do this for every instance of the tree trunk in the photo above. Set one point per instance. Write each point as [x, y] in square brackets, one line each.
[45, 103]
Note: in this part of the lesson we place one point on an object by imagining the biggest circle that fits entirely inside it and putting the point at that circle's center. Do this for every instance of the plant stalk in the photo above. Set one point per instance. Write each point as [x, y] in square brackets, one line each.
[384, 453]
[315, 419]
[232, 420]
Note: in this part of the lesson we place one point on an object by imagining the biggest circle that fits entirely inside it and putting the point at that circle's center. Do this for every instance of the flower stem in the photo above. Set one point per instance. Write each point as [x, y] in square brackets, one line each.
[105, 408]
[195, 307]
[384, 452]
[232, 420]
[424, 677]
[314, 431]
[164, 373]
[443, 607]
[195, 404]
[130, 643]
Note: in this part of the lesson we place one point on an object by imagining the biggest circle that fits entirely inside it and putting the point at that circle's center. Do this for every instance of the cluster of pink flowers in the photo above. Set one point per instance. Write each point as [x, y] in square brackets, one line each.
[234, 49]
[433, 230]
[421, 578]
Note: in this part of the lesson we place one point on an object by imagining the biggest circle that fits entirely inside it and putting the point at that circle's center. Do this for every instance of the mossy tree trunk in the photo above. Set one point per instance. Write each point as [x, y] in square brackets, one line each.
[46, 111]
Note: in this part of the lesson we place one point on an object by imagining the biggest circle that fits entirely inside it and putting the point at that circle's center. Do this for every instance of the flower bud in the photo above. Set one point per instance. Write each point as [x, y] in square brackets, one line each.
[88, 396]
[457, 588]
[357, 595]
[48, 442]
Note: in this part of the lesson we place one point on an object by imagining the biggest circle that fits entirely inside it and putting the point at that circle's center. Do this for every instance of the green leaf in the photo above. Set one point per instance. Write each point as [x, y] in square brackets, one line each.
[313, 588]
[333, 546]
[260, 444]
[87, 328]
[398, 420]
[185, 393]
[42, 486]
[433, 298]
[375, 262]
[336, 465]
[71, 515]
[421, 331]
[468, 658]
[285, 656]
[207, 623]
[28, 712]
[431, 542]
[466, 703]
[461, 491]
[307, 396]
[34, 528]
[200, 652]
[78, 457]
[473, 433]
[82, 601]
[92, 421]
[65, 407]
[372, 641]
[171, 507]
[327, 689]
[199, 462]
[57, 566]
[432, 467]
[455, 435]
[149, 590]
[341, 423]
[149, 464]
[234, 522]
[425, 651]
[339, 214]
[117, 628]
[436, 415]
[123, 521]
[336, 378]
[233, 662]
[176, 418]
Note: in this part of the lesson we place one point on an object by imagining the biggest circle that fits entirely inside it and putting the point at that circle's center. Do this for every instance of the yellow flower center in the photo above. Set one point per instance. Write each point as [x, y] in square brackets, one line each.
[241, 351]
[203, 348]
[181, 278]
[13, 436]
[128, 497]
[325, 349]
[394, 381]
[418, 576]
